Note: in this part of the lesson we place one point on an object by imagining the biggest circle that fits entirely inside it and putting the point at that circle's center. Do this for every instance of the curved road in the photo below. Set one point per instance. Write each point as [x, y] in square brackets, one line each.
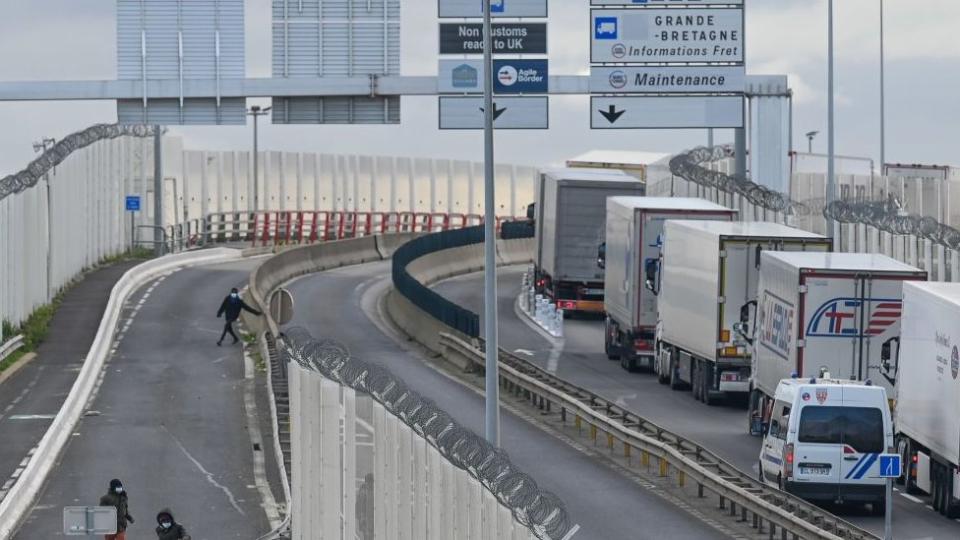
[723, 429]
[169, 419]
[606, 504]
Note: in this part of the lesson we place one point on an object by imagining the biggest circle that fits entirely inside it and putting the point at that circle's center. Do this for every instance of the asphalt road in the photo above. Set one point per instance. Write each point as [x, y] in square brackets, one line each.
[606, 504]
[168, 420]
[31, 397]
[723, 429]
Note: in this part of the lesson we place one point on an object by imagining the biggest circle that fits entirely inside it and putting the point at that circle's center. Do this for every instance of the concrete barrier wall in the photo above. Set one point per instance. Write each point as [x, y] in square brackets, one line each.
[359, 472]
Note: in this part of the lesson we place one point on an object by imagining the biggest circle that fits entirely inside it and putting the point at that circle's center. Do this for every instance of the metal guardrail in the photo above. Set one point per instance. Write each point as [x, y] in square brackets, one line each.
[770, 510]
[10, 346]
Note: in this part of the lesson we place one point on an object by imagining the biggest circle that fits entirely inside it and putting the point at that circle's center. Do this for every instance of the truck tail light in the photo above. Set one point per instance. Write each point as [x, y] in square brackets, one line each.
[566, 304]
[643, 344]
[724, 336]
[788, 460]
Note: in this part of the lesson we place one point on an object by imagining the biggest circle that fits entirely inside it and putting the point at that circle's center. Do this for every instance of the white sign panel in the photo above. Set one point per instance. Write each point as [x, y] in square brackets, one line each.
[666, 35]
[498, 8]
[661, 79]
[460, 76]
[665, 2]
[666, 112]
[516, 112]
[89, 520]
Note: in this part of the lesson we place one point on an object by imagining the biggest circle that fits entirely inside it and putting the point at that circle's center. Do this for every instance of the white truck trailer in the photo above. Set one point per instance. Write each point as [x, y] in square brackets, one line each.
[824, 315]
[709, 276]
[571, 220]
[634, 237]
[927, 413]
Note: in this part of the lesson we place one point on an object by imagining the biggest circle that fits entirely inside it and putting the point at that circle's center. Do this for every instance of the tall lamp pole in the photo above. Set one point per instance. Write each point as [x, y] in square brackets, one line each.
[256, 112]
[831, 180]
[492, 424]
[883, 109]
[810, 137]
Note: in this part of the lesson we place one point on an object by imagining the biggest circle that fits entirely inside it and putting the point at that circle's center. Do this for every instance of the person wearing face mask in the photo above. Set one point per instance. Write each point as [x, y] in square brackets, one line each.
[117, 497]
[230, 308]
[168, 528]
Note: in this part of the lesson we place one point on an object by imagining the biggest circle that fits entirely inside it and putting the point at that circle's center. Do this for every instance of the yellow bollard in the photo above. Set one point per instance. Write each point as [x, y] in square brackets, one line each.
[664, 467]
[577, 422]
[645, 458]
[681, 478]
[593, 433]
[626, 450]
[610, 441]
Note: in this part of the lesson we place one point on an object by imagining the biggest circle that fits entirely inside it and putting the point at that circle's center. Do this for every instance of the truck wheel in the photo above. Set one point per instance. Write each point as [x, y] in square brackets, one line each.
[950, 509]
[706, 379]
[935, 489]
[675, 382]
[695, 379]
[612, 353]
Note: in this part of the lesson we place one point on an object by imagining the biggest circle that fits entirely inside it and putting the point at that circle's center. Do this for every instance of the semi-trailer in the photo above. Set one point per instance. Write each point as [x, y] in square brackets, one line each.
[824, 315]
[634, 237]
[706, 284]
[570, 224]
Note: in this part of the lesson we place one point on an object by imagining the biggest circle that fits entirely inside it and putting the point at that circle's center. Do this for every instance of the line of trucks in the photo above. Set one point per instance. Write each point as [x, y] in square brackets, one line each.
[726, 309]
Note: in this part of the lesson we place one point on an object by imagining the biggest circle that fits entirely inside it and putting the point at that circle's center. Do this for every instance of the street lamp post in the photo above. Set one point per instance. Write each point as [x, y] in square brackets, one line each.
[256, 112]
[45, 144]
[492, 416]
[831, 180]
[810, 136]
[883, 109]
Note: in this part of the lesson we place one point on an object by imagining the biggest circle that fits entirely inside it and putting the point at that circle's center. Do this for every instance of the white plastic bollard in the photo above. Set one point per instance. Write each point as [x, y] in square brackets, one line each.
[559, 333]
[531, 294]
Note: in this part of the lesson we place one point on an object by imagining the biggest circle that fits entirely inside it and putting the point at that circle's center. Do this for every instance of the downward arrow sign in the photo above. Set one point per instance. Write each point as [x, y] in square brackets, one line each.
[496, 112]
[611, 114]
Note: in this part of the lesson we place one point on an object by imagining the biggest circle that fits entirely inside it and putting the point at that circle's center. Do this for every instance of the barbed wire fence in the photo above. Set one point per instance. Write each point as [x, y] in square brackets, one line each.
[885, 214]
[33, 173]
[539, 510]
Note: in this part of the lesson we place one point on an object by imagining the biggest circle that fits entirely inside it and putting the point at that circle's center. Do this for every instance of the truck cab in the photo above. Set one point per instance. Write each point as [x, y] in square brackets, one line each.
[823, 439]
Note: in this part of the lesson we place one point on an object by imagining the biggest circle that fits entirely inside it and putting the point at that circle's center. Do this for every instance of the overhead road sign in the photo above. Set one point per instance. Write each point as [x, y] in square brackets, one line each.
[514, 38]
[498, 8]
[652, 3]
[460, 76]
[513, 112]
[667, 79]
[666, 112]
[666, 35]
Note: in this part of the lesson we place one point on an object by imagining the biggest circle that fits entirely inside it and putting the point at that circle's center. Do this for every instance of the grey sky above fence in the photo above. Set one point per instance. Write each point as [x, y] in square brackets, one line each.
[75, 39]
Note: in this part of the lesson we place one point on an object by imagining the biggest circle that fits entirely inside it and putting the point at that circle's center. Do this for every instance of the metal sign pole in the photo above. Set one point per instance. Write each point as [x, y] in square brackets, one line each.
[888, 518]
[157, 191]
[831, 180]
[490, 240]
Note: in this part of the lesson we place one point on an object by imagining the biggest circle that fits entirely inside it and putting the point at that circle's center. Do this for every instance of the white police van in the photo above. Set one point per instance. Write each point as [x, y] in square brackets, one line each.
[824, 438]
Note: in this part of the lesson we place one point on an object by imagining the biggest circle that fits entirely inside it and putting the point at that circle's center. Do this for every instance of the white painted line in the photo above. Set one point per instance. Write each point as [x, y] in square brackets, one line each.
[911, 498]
[25, 461]
[33, 417]
[206, 473]
[7, 484]
[928, 507]
[16, 473]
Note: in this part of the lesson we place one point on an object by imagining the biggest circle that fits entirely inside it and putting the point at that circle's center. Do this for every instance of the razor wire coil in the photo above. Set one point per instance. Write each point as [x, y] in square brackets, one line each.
[31, 175]
[885, 214]
[539, 510]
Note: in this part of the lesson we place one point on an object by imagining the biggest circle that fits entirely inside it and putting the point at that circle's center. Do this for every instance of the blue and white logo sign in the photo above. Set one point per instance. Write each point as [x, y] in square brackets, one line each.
[520, 76]
[465, 76]
[606, 28]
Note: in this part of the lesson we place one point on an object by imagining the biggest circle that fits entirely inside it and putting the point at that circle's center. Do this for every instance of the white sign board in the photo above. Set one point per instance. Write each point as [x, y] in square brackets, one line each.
[660, 79]
[515, 112]
[460, 76]
[665, 2]
[498, 8]
[666, 35]
[666, 112]
[89, 520]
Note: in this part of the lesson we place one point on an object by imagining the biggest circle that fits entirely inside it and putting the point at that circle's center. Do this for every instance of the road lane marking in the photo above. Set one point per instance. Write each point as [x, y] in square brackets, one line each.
[17, 473]
[911, 498]
[32, 417]
[267, 500]
[206, 473]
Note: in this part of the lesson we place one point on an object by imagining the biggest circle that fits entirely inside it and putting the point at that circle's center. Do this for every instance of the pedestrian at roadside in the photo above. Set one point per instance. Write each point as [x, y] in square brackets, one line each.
[230, 308]
[168, 528]
[117, 497]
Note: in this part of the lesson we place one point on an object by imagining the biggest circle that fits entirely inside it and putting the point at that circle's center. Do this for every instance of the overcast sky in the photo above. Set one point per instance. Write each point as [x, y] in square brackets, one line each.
[75, 39]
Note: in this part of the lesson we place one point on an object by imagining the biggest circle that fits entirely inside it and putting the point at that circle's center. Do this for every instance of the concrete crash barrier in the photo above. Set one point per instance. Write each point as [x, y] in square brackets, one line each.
[16, 505]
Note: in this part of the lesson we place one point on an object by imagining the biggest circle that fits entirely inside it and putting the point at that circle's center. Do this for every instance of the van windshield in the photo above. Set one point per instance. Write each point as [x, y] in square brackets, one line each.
[859, 427]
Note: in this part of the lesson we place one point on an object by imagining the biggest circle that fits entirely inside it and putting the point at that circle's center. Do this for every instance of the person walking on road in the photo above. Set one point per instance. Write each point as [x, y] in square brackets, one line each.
[230, 309]
[117, 497]
[168, 528]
